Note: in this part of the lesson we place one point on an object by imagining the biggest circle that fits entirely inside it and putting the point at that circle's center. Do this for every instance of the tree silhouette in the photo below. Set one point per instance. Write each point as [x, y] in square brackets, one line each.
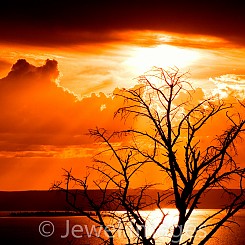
[172, 140]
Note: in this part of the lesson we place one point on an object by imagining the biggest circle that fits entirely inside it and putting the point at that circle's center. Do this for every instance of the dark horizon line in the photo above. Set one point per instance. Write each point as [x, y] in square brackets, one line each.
[48, 190]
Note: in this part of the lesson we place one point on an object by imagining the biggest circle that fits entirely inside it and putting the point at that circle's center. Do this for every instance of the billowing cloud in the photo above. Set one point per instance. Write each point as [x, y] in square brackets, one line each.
[43, 126]
[38, 113]
[229, 84]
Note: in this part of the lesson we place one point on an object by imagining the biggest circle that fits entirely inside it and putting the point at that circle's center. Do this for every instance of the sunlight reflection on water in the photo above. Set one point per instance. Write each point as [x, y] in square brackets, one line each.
[232, 234]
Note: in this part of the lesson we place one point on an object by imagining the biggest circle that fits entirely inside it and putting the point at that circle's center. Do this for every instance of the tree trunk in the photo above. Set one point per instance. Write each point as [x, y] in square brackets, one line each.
[175, 240]
[111, 240]
[178, 230]
[145, 241]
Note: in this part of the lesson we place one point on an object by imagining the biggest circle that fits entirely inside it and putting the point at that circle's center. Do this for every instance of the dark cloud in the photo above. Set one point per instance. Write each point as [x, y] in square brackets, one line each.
[37, 111]
[61, 22]
[25, 76]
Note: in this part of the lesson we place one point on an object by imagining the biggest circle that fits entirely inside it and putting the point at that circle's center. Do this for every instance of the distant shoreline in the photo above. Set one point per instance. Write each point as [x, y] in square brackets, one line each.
[46, 213]
[53, 203]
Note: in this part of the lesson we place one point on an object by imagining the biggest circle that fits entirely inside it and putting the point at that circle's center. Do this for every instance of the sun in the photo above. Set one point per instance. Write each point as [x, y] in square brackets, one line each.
[142, 59]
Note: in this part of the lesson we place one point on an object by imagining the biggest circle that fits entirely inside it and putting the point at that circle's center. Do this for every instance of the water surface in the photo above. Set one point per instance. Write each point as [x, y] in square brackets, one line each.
[79, 230]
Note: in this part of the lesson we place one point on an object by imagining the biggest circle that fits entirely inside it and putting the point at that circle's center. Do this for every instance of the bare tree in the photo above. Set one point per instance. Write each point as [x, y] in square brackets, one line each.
[174, 125]
[171, 141]
[116, 166]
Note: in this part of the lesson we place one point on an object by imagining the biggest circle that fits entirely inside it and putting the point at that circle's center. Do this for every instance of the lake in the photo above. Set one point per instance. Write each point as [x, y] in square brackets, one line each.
[75, 230]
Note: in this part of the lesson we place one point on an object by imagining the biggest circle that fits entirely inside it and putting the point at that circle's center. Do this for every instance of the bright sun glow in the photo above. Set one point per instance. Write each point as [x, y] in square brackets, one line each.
[154, 217]
[142, 59]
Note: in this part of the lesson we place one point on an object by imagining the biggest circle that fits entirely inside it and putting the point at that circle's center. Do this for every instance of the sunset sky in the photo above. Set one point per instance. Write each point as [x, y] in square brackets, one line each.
[60, 62]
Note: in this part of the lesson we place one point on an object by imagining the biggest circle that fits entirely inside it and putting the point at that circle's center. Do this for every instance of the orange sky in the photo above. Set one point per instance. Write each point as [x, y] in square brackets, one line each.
[48, 106]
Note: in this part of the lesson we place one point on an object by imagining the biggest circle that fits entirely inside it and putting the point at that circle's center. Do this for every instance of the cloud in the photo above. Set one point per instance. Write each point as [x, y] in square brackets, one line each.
[229, 84]
[51, 23]
[43, 125]
[230, 79]
[36, 111]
